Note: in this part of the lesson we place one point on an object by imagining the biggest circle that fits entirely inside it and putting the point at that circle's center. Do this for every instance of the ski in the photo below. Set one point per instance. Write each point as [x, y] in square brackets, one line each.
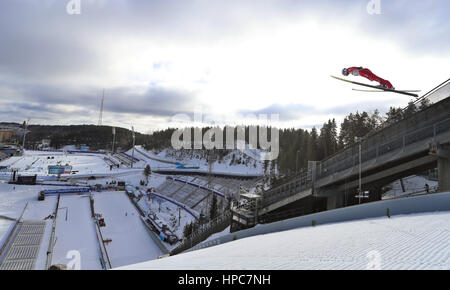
[382, 91]
[375, 87]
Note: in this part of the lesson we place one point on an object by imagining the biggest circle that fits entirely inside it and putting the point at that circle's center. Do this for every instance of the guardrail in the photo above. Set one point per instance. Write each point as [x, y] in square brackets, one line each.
[218, 224]
[130, 157]
[304, 182]
[393, 144]
[153, 158]
[437, 94]
[411, 205]
[70, 151]
[52, 192]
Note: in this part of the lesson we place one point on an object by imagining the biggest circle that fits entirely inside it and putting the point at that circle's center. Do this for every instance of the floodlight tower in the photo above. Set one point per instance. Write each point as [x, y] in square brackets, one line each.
[134, 143]
[210, 180]
[100, 118]
[25, 123]
[114, 139]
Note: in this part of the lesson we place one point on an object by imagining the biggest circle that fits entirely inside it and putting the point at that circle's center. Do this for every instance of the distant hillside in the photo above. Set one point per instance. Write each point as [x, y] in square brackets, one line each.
[97, 137]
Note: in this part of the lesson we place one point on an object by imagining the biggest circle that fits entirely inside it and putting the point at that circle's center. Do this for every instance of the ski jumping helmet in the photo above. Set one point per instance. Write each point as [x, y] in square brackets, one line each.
[345, 72]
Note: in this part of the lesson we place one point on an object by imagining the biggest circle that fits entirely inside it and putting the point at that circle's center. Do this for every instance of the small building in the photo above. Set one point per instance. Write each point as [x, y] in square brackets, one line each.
[58, 169]
[6, 135]
[45, 144]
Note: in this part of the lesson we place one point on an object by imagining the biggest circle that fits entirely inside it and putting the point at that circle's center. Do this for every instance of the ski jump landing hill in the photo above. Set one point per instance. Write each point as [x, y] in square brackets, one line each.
[401, 149]
[438, 202]
[181, 170]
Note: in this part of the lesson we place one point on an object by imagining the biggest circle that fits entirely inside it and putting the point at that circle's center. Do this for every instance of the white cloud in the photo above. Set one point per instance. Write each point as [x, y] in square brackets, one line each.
[227, 59]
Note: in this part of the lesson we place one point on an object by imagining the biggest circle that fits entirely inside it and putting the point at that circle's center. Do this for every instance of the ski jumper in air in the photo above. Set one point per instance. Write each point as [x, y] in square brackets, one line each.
[365, 72]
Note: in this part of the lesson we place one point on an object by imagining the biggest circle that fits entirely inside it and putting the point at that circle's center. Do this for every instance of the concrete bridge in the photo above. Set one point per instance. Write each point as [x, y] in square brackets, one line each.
[407, 147]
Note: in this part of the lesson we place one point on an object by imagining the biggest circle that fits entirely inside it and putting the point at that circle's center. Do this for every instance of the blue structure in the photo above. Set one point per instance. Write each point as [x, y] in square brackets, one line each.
[50, 192]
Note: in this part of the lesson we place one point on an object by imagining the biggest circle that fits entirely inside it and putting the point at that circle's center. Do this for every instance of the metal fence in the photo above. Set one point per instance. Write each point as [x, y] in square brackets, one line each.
[216, 225]
[389, 146]
[331, 166]
[299, 184]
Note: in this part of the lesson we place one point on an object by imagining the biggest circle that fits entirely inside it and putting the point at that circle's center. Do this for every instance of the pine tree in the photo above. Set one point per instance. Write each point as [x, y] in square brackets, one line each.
[213, 208]
[147, 171]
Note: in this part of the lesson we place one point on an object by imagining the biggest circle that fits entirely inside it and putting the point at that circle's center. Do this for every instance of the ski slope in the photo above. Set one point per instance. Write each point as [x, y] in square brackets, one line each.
[130, 240]
[418, 241]
[75, 231]
[166, 159]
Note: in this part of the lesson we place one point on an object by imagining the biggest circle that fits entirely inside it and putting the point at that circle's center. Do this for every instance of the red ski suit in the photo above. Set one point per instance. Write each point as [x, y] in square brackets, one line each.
[365, 72]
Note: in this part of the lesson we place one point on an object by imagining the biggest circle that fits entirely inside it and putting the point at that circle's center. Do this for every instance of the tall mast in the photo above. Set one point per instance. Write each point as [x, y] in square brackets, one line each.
[100, 119]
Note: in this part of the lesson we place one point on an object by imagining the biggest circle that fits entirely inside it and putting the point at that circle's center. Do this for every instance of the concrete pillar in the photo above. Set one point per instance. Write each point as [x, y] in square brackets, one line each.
[444, 169]
[375, 194]
[335, 201]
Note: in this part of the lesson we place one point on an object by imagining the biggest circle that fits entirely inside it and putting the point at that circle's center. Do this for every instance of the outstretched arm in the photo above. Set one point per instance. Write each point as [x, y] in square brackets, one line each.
[351, 69]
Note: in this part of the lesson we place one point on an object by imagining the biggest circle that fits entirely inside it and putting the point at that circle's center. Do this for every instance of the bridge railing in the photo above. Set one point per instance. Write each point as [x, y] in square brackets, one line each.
[349, 157]
[304, 181]
[437, 94]
[389, 146]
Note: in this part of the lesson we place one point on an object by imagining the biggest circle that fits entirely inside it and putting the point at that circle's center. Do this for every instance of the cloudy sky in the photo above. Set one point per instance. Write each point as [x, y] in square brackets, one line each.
[227, 59]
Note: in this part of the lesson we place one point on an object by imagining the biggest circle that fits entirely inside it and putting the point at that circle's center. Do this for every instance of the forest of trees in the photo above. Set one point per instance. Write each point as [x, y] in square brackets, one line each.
[297, 146]
[96, 137]
[317, 144]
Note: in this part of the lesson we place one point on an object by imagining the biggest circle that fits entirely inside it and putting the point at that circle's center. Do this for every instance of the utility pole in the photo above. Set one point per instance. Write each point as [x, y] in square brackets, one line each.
[134, 143]
[114, 139]
[359, 182]
[100, 118]
[25, 132]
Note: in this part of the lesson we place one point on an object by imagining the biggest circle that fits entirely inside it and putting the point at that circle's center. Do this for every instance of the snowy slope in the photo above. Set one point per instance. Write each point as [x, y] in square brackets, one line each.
[131, 243]
[419, 241]
[234, 162]
[76, 233]
[37, 162]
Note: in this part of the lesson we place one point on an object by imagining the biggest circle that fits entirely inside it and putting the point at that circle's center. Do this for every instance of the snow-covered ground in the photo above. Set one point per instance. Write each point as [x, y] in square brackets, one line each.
[37, 162]
[75, 231]
[20, 200]
[5, 228]
[166, 213]
[412, 184]
[75, 228]
[131, 242]
[418, 241]
[14, 199]
[235, 162]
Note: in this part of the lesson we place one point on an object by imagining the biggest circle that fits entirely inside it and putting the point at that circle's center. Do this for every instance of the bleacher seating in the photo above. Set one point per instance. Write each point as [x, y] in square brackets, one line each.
[125, 159]
[3, 156]
[196, 197]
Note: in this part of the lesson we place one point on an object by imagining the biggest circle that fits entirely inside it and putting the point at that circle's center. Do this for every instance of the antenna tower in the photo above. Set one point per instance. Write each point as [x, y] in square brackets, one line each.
[100, 119]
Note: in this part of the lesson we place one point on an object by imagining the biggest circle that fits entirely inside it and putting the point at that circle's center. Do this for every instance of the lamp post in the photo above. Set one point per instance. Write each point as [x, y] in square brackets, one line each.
[296, 163]
[359, 179]
[114, 139]
[25, 133]
[134, 142]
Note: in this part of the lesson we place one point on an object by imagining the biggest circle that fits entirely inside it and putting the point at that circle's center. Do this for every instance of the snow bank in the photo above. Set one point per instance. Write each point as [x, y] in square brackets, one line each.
[419, 241]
